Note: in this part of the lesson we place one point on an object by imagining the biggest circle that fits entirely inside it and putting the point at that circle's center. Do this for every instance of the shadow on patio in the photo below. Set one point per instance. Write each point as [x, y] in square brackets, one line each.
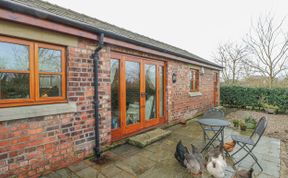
[157, 160]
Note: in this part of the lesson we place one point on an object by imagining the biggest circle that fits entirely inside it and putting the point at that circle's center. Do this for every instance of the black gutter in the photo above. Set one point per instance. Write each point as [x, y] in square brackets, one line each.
[95, 56]
[59, 19]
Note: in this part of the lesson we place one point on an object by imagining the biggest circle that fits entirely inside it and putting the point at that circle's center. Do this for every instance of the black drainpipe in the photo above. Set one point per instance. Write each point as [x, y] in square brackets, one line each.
[95, 57]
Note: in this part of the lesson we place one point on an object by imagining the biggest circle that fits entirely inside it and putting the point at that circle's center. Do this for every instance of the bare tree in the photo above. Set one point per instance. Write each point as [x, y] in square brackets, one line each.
[231, 56]
[268, 46]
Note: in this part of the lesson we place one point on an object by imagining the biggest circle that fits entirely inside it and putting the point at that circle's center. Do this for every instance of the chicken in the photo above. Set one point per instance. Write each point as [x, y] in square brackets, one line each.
[180, 153]
[198, 156]
[192, 161]
[229, 146]
[216, 164]
[244, 174]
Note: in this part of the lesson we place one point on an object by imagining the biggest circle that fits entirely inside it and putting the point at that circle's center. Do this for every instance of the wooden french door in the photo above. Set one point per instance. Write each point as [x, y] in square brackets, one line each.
[137, 94]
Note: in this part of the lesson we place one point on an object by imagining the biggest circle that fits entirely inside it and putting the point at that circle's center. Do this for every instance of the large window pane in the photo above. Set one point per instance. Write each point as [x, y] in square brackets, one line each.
[150, 81]
[49, 60]
[14, 56]
[115, 85]
[14, 85]
[161, 72]
[50, 85]
[132, 92]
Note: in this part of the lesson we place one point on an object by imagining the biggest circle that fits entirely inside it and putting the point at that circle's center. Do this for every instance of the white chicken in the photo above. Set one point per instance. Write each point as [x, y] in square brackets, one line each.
[216, 164]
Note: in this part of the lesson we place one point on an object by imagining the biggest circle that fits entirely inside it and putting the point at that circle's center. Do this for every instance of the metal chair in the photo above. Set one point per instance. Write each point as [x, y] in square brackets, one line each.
[212, 113]
[249, 143]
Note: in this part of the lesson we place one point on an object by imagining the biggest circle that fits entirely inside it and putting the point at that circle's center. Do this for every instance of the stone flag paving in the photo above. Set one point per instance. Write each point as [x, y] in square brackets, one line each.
[157, 160]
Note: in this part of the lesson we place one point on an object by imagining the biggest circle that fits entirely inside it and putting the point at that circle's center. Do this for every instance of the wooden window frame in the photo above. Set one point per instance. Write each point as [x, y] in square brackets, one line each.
[194, 88]
[34, 90]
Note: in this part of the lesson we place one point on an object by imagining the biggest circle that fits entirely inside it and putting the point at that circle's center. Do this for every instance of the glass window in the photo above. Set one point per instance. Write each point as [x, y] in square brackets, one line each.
[115, 88]
[49, 60]
[50, 76]
[194, 80]
[14, 56]
[50, 85]
[14, 85]
[20, 81]
[14, 71]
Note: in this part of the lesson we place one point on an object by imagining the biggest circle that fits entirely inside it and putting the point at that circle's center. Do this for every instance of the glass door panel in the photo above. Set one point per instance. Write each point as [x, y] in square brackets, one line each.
[132, 74]
[150, 91]
[161, 77]
[115, 93]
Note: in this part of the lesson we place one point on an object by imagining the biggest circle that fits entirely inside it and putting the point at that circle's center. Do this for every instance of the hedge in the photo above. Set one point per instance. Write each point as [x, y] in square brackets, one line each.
[244, 97]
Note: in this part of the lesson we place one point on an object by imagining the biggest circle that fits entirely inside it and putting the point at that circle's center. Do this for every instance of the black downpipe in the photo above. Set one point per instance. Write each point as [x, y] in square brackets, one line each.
[95, 56]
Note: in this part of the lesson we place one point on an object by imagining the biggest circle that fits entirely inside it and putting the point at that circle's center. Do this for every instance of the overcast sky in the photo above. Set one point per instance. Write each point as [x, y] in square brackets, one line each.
[197, 26]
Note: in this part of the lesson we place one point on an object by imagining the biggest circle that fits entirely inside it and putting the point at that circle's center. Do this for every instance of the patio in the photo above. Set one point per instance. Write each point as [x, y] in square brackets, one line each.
[157, 160]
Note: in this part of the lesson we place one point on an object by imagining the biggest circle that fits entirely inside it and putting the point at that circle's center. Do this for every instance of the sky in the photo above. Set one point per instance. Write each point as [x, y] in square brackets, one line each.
[197, 26]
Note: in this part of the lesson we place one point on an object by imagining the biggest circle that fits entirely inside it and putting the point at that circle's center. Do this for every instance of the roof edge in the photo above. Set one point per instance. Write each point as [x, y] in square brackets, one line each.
[17, 7]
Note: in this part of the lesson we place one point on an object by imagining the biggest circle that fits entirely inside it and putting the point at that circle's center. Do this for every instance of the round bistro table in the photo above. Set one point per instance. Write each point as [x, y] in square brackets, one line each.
[215, 125]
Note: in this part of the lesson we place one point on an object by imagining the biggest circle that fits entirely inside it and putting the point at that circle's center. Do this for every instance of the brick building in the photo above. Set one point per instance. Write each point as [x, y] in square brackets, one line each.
[47, 91]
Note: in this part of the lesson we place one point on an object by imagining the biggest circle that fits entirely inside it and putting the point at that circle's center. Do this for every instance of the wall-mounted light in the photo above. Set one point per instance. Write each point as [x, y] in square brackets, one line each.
[174, 78]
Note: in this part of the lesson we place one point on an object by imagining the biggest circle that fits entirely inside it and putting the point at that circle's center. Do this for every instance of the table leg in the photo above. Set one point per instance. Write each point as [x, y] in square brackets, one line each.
[213, 139]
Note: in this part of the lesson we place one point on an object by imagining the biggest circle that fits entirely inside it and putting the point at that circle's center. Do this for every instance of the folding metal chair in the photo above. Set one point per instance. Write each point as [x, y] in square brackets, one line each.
[249, 143]
[212, 113]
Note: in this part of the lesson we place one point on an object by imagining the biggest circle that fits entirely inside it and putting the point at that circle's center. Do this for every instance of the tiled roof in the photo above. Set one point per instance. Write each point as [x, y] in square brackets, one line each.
[93, 22]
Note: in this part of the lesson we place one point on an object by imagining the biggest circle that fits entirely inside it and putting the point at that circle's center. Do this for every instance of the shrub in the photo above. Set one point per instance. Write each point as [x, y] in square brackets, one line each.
[243, 97]
[250, 122]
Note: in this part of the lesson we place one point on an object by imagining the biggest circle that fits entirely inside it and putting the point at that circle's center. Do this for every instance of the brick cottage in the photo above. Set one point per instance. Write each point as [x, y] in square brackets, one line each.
[48, 94]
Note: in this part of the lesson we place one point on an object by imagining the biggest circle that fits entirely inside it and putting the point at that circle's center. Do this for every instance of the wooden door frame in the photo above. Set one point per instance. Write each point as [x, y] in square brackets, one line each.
[124, 131]
[138, 126]
[156, 120]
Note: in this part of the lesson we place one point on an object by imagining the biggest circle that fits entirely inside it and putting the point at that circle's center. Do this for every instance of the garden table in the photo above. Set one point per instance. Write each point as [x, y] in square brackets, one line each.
[213, 123]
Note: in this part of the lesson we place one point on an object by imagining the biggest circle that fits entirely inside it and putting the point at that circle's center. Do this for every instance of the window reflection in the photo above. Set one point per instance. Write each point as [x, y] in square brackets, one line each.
[115, 84]
[150, 81]
[49, 60]
[14, 85]
[50, 85]
[14, 56]
[132, 92]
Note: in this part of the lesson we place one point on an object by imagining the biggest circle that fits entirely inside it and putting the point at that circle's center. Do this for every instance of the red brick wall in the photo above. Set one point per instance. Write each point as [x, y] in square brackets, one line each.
[181, 105]
[33, 146]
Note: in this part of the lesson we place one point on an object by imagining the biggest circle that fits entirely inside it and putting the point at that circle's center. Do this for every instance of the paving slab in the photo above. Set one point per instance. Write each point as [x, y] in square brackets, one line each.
[157, 159]
[66, 173]
[88, 172]
[79, 166]
[149, 137]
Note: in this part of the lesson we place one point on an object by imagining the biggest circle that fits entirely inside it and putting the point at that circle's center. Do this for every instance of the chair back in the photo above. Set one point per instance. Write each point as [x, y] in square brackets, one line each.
[214, 113]
[260, 128]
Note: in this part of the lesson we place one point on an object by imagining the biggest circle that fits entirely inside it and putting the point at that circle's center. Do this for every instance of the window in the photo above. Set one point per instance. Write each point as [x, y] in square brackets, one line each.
[194, 80]
[31, 73]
